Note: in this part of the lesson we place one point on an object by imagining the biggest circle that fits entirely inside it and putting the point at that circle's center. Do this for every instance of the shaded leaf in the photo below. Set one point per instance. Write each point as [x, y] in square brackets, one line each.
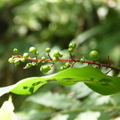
[54, 100]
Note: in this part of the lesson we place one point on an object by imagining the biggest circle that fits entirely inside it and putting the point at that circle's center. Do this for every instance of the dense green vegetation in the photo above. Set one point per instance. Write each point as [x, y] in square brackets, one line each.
[54, 23]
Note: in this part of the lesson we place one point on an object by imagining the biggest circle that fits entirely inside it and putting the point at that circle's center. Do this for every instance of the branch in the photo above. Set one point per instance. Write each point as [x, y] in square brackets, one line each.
[70, 60]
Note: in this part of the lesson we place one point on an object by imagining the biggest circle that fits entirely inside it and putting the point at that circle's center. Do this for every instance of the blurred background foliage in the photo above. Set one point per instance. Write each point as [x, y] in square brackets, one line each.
[92, 24]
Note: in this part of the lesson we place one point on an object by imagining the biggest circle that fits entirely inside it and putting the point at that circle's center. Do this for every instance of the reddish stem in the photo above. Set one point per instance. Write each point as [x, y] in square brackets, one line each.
[73, 60]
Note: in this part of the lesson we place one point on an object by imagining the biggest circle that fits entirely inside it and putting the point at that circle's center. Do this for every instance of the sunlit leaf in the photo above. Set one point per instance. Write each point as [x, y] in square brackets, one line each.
[60, 117]
[88, 115]
[92, 77]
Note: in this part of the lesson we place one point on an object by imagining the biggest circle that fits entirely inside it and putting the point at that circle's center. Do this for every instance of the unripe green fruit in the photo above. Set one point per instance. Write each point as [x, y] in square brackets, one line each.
[70, 50]
[10, 60]
[48, 50]
[32, 50]
[96, 66]
[17, 62]
[72, 45]
[82, 60]
[55, 59]
[43, 58]
[62, 68]
[61, 54]
[67, 65]
[22, 59]
[15, 50]
[28, 65]
[45, 68]
[56, 53]
[37, 53]
[25, 55]
[94, 55]
[34, 63]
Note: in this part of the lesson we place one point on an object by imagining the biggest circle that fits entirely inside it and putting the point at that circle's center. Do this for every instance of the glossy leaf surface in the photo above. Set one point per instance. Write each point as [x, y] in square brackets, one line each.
[92, 77]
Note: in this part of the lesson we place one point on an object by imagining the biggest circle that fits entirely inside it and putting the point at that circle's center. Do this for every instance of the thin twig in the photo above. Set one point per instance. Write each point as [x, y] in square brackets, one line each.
[108, 71]
[72, 60]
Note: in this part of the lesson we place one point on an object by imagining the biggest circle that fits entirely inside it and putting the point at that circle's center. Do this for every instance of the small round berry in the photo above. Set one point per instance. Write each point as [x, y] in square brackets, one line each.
[32, 50]
[17, 62]
[48, 50]
[28, 65]
[34, 63]
[22, 59]
[96, 66]
[94, 55]
[70, 50]
[15, 50]
[82, 60]
[10, 60]
[61, 54]
[43, 58]
[56, 53]
[62, 68]
[45, 68]
[37, 53]
[25, 55]
[72, 45]
[67, 64]
[55, 59]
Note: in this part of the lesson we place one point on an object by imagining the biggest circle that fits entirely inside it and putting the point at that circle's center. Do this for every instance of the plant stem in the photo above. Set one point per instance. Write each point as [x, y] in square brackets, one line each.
[72, 60]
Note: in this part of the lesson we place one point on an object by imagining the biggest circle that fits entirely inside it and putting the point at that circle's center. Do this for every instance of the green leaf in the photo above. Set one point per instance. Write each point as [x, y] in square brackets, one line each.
[88, 115]
[54, 100]
[92, 77]
[60, 117]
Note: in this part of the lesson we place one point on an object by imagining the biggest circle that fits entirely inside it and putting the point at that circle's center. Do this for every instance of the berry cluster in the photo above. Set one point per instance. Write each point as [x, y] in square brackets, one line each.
[57, 56]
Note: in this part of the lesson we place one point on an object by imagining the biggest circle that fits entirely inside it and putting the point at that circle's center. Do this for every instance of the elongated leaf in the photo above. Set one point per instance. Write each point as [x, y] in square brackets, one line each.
[92, 77]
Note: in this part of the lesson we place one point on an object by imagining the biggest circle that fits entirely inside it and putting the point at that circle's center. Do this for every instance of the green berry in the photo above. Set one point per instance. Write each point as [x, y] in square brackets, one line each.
[82, 60]
[62, 68]
[70, 50]
[72, 45]
[15, 58]
[94, 55]
[15, 50]
[60, 55]
[28, 65]
[22, 59]
[45, 68]
[55, 59]
[56, 53]
[10, 60]
[48, 50]
[25, 55]
[96, 66]
[37, 53]
[32, 50]
[43, 58]
[17, 62]
[34, 63]
[67, 65]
